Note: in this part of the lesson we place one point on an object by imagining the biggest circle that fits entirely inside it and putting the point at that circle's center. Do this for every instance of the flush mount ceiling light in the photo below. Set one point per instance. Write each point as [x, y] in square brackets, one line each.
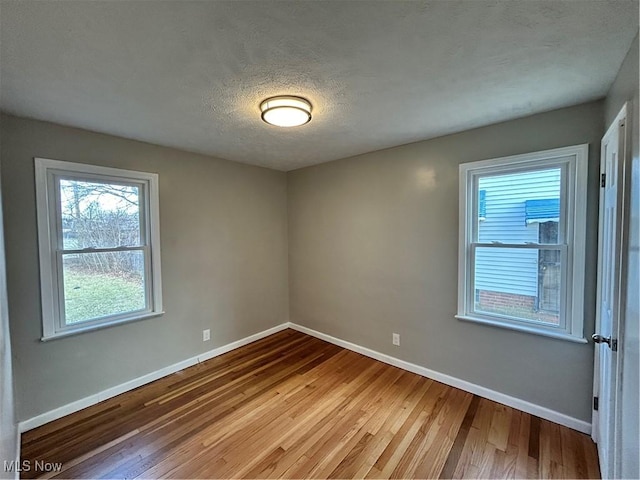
[286, 111]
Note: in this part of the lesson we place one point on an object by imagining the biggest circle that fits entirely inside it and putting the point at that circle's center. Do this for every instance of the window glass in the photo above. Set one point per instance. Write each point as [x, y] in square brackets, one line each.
[102, 284]
[513, 204]
[519, 208]
[512, 283]
[99, 215]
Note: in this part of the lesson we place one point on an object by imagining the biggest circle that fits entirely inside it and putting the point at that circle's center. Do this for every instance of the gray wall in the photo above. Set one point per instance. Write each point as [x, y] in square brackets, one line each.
[224, 262]
[373, 244]
[625, 88]
[8, 427]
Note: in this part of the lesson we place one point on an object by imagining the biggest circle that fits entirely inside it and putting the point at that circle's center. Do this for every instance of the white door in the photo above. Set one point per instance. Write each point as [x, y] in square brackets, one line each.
[610, 238]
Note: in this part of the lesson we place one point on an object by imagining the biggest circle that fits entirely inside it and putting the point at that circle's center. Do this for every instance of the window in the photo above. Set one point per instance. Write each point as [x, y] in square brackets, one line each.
[99, 246]
[522, 240]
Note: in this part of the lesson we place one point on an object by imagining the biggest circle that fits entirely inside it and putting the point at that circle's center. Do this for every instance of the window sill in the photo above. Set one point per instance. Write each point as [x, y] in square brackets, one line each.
[523, 328]
[91, 328]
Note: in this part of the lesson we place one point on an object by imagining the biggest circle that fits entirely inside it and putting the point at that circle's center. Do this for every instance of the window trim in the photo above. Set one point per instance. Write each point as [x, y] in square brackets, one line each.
[48, 173]
[575, 207]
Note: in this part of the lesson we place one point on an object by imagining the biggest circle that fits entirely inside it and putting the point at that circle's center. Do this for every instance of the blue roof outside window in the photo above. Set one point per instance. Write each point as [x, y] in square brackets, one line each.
[542, 210]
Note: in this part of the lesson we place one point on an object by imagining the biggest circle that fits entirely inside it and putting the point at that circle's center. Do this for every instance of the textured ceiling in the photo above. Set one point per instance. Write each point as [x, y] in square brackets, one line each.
[191, 74]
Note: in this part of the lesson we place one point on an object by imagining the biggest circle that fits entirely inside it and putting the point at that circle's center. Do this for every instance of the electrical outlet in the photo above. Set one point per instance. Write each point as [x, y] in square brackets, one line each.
[395, 338]
[206, 335]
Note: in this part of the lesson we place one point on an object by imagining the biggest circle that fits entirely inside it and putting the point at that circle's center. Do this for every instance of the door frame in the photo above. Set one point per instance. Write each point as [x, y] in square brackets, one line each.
[621, 226]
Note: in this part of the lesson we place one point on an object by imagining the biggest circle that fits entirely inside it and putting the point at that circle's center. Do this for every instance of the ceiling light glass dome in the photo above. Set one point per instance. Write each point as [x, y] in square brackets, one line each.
[286, 111]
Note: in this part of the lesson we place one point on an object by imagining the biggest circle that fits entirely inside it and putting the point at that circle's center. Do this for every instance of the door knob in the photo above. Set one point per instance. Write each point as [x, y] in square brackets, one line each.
[608, 340]
[600, 339]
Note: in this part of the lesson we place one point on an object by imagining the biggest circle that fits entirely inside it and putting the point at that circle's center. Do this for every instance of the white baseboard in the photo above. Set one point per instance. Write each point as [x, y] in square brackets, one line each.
[137, 382]
[484, 392]
[523, 405]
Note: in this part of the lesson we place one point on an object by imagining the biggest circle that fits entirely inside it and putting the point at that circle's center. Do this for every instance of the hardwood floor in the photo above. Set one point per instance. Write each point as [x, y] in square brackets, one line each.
[293, 406]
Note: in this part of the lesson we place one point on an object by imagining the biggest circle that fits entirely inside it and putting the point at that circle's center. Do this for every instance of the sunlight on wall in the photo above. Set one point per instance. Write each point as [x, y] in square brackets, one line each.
[426, 177]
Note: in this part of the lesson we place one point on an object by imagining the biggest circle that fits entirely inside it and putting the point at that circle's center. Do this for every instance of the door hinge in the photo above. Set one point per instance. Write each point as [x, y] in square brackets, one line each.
[603, 180]
[614, 345]
[595, 403]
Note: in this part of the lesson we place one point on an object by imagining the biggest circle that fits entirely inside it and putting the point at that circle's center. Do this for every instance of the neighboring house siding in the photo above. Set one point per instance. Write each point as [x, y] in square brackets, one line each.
[511, 271]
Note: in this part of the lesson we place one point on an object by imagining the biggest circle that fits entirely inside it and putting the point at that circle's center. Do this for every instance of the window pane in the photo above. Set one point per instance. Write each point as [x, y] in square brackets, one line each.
[512, 206]
[548, 232]
[101, 284]
[521, 283]
[99, 215]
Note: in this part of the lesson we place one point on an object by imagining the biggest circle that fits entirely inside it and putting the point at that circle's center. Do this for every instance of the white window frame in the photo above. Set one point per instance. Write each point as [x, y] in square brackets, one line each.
[573, 161]
[47, 175]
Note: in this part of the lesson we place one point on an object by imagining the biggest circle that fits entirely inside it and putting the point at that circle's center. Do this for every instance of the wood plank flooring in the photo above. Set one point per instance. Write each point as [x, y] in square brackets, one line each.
[293, 406]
